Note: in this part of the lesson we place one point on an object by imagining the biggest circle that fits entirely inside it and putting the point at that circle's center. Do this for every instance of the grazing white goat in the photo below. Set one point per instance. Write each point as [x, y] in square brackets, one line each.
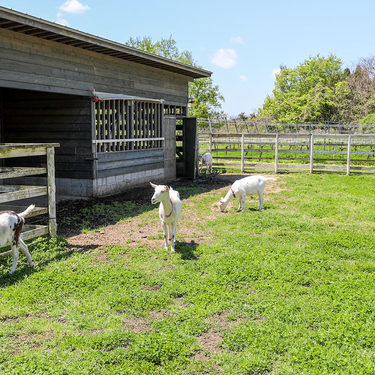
[11, 225]
[169, 211]
[244, 186]
[205, 159]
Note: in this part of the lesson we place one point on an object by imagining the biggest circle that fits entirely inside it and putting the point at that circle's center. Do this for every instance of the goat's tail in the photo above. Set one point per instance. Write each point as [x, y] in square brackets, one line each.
[271, 179]
[27, 211]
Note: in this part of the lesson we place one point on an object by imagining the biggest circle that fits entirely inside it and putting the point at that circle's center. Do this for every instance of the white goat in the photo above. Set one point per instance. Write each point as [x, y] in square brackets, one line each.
[169, 211]
[11, 225]
[205, 159]
[244, 186]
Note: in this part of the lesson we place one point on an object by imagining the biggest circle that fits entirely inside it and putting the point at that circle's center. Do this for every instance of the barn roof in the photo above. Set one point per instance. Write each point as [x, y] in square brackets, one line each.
[38, 27]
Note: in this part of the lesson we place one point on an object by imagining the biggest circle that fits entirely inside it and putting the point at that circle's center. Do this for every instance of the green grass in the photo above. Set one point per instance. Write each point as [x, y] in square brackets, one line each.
[292, 287]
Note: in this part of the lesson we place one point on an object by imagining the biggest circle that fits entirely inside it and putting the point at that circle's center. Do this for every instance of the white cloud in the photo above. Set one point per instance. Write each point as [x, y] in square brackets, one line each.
[61, 20]
[225, 58]
[237, 40]
[73, 6]
[243, 78]
[275, 72]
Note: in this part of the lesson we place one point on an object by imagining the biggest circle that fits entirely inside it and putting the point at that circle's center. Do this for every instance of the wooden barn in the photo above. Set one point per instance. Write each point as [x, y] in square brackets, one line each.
[112, 108]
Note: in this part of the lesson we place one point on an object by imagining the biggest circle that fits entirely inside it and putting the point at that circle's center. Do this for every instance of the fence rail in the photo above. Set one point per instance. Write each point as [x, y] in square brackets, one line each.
[348, 153]
[224, 125]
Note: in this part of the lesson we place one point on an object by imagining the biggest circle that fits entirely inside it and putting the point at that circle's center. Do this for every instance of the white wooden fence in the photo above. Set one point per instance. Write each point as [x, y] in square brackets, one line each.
[348, 153]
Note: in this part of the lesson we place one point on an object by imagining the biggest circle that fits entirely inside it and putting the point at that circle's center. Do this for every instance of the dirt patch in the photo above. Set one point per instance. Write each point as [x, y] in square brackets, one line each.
[211, 341]
[34, 340]
[143, 324]
[137, 231]
[137, 325]
[221, 322]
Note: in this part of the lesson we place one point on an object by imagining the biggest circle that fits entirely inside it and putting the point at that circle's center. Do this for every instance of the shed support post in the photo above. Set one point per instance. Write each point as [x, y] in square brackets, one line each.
[52, 226]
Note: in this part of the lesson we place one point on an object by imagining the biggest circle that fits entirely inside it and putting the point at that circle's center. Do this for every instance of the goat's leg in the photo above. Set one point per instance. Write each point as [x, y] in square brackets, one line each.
[207, 168]
[165, 230]
[174, 227]
[260, 194]
[25, 250]
[15, 253]
[243, 197]
[240, 203]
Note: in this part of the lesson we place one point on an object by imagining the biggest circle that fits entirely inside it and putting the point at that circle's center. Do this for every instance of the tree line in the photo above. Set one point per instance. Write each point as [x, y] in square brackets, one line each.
[319, 90]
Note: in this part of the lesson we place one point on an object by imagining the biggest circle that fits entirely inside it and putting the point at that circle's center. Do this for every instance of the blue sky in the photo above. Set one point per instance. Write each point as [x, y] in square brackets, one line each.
[242, 42]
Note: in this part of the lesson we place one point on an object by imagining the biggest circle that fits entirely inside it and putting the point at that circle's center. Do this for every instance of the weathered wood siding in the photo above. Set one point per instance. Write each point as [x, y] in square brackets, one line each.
[119, 163]
[31, 63]
[30, 116]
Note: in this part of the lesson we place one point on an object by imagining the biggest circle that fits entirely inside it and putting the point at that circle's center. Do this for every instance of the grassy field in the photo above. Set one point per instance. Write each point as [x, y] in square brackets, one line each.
[289, 290]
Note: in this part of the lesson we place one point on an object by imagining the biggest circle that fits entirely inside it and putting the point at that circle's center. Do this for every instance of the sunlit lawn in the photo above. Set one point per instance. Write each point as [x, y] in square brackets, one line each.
[289, 290]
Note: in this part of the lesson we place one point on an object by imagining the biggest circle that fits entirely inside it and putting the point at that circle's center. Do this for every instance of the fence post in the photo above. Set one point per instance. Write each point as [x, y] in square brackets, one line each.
[277, 153]
[210, 143]
[348, 155]
[242, 152]
[209, 124]
[311, 153]
[52, 226]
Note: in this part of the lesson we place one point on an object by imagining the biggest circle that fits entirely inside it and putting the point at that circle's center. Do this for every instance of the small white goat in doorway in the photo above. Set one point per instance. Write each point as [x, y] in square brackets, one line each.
[205, 159]
[11, 225]
[169, 211]
[244, 186]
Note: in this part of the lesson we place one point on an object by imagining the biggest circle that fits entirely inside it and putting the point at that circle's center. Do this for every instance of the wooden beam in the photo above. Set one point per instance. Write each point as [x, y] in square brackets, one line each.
[14, 192]
[11, 172]
[51, 191]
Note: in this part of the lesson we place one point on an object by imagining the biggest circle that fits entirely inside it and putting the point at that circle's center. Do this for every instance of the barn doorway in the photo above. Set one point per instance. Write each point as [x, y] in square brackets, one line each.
[186, 134]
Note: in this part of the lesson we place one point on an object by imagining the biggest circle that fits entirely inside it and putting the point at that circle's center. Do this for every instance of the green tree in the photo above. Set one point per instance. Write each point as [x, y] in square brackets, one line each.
[205, 97]
[309, 92]
[360, 98]
[164, 47]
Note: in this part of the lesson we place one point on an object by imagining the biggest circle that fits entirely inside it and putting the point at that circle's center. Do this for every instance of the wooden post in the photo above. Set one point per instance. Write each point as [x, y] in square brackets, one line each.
[210, 126]
[52, 226]
[311, 153]
[242, 152]
[277, 153]
[196, 173]
[348, 155]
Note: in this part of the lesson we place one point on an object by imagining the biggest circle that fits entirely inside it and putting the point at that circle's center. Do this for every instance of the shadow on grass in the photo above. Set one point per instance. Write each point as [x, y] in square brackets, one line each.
[187, 250]
[24, 270]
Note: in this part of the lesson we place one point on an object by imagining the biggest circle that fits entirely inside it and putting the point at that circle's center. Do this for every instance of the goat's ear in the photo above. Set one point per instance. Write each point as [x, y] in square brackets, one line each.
[153, 185]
